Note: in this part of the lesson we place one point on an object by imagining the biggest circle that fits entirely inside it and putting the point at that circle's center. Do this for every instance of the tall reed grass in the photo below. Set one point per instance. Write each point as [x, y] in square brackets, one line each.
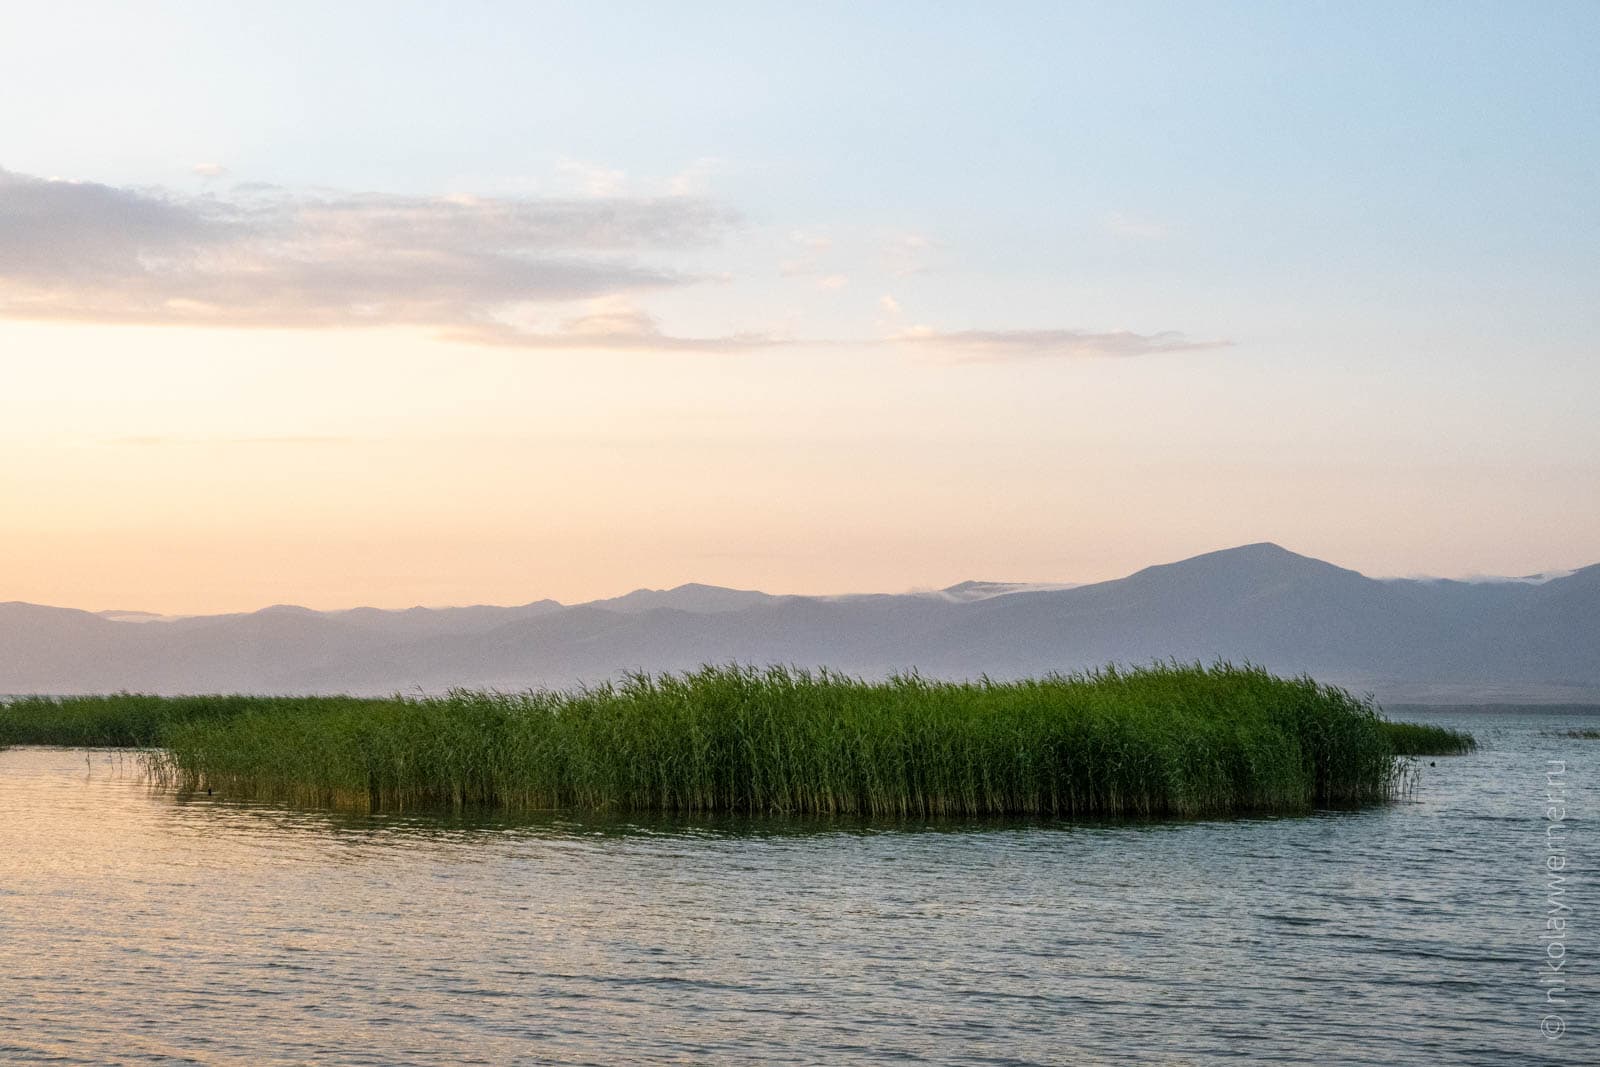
[138, 720]
[1168, 740]
[1419, 739]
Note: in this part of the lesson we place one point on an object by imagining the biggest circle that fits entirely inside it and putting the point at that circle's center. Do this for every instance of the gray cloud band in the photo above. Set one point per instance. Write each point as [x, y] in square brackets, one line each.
[83, 251]
[265, 256]
[997, 345]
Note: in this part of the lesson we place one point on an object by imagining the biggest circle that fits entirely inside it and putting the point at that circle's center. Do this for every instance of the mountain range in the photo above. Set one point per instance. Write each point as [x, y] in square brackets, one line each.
[1404, 640]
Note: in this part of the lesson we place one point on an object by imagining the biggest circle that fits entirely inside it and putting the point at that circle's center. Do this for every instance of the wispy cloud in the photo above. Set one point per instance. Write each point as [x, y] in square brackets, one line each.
[480, 270]
[592, 179]
[609, 323]
[692, 180]
[264, 256]
[991, 346]
[808, 253]
[817, 242]
[908, 253]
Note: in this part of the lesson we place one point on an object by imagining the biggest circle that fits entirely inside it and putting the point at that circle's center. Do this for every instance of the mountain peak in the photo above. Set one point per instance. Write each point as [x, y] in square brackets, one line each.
[286, 609]
[1248, 565]
[1257, 550]
[695, 597]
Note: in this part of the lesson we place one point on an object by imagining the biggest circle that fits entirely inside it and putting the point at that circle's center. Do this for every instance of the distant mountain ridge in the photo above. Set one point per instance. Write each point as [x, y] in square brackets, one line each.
[1419, 640]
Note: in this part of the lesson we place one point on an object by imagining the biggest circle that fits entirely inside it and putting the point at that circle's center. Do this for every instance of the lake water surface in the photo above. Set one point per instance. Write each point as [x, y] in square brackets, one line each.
[139, 928]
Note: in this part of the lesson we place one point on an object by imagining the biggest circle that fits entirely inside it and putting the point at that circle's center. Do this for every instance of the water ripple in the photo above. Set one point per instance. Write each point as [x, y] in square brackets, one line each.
[138, 928]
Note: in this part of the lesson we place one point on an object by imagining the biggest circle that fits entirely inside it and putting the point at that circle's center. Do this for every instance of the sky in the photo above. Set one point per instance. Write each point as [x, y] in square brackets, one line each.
[402, 304]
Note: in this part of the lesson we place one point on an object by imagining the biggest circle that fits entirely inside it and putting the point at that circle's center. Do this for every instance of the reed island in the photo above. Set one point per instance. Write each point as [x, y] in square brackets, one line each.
[1169, 740]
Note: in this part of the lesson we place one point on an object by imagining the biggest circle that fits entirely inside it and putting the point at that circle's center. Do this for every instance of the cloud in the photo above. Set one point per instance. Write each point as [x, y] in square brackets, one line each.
[610, 323]
[809, 251]
[209, 170]
[991, 346]
[592, 179]
[480, 270]
[908, 253]
[263, 256]
[692, 180]
[816, 242]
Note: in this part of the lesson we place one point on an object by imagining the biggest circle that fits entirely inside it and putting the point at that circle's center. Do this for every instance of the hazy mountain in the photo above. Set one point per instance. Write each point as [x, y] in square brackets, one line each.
[418, 622]
[694, 597]
[1405, 639]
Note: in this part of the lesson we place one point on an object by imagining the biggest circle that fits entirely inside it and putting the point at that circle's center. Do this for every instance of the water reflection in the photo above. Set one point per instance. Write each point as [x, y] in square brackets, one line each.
[227, 815]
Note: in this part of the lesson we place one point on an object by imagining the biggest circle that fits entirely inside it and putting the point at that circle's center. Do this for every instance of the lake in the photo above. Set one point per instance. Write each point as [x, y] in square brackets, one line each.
[137, 927]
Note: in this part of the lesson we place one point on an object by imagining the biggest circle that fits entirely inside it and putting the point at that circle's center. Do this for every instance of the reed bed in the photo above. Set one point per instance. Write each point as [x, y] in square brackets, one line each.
[1419, 739]
[138, 720]
[1168, 740]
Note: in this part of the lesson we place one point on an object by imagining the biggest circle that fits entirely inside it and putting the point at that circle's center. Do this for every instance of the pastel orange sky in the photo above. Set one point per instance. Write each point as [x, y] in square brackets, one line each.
[186, 470]
[532, 327]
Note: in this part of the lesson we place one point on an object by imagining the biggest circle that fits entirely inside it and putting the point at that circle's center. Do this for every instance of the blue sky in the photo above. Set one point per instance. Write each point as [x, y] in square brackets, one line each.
[1334, 265]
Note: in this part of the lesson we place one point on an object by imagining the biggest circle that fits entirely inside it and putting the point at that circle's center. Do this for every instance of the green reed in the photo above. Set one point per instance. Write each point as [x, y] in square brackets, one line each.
[138, 720]
[1167, 740]
[1418, 739]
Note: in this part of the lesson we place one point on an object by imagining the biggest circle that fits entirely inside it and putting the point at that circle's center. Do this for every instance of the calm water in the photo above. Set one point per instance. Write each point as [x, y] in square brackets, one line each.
[135, 928]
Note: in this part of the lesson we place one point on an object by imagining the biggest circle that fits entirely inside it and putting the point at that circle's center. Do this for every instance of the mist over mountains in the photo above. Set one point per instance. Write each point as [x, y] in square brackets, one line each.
[1421, 640]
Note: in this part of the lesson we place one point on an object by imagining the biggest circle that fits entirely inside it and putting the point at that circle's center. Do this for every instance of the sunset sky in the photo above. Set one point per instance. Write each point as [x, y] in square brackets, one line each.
[450, 303]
